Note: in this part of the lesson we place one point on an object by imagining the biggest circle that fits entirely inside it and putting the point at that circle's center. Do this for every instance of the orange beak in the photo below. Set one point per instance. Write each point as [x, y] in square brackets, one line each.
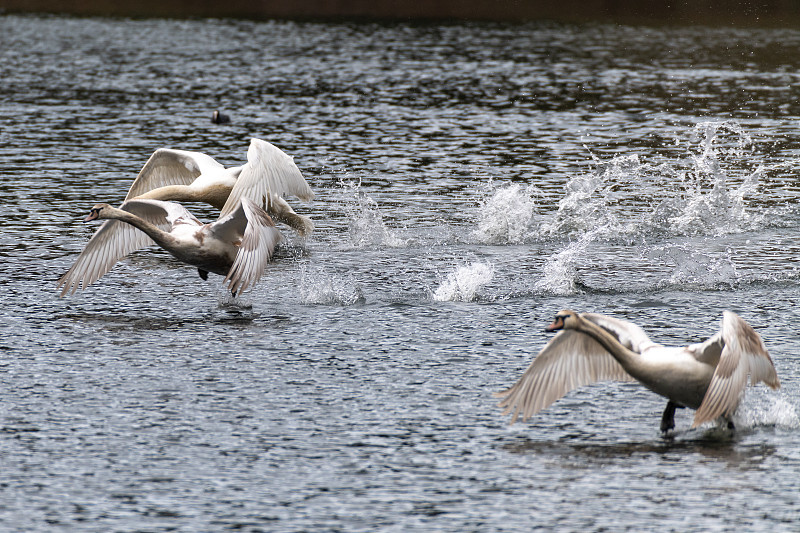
[557, 324]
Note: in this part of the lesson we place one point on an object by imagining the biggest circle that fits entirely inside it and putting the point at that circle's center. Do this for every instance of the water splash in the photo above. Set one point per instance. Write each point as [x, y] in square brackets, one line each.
[505, 214]
[560, 274]
[762, 408]
[320, 287]
[463, 284]
[366, 224]
[693, 267]
[704, 193]
[589, 200]
[707, 201]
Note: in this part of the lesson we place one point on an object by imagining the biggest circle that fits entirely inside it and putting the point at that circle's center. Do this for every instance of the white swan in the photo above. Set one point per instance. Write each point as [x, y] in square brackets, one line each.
[238, 245]
[182, 176]
[708, 376]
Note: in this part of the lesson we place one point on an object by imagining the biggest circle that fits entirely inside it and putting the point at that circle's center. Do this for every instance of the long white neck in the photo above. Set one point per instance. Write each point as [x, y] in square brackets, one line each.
[627, 358]
[161, 237]
[215, 195]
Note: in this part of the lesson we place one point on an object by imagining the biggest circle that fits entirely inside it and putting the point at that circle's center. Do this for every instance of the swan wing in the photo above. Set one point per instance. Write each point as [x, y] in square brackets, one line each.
[743, 354]
[171, 167]
[253, 229]
[116, 239]
[570, 360]
[268, 171]
[627, 333]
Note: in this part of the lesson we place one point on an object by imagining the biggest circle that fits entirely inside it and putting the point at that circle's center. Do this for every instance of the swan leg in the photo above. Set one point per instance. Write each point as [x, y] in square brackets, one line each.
[203, 274]
[280, 210]
[668, 418]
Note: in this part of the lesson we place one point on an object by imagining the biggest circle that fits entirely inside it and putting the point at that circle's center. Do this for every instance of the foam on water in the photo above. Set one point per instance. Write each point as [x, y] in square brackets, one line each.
[463, 284]
[505, 213]
[318, 286]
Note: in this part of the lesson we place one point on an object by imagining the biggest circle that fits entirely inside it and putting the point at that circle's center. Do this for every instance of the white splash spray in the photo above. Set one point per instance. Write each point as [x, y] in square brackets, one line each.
[560, 274]
[761, 407]
[366, 224]
[505, 214]
[463, 284]
[705, 193]
[320, 287]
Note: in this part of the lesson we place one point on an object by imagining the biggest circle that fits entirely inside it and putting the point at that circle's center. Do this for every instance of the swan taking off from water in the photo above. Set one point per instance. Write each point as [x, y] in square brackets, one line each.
[708, 376]
[182, 176]
[238, 245]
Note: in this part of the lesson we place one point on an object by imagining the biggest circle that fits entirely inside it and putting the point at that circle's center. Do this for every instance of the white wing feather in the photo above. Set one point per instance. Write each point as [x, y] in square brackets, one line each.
[743, 354]
[116, 239]
[171, 167]
[258, 237]
[570, 360]
[268, 171]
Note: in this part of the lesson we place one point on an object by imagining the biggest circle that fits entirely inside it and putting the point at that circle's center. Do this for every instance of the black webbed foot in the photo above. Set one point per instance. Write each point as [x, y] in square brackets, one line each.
[668, 418]
[203, 274]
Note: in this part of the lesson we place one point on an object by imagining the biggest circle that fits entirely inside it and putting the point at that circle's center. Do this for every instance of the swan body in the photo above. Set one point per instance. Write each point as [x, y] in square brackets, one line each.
[184, 176]
[238, 245]
[709, 376]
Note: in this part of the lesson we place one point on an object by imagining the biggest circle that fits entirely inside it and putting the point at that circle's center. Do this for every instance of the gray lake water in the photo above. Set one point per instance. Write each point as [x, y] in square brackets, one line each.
[472, 180]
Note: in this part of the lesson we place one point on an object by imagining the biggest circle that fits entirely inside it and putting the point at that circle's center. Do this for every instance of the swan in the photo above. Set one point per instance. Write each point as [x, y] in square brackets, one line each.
[184, 176]
[709, 376]
[238, 245]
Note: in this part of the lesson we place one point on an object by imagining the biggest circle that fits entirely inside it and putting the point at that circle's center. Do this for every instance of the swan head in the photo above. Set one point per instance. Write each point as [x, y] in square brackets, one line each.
[96, 212]
[565, 319]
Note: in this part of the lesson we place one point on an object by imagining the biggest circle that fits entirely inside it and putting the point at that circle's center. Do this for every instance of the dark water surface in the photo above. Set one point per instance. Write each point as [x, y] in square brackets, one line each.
[471, 181]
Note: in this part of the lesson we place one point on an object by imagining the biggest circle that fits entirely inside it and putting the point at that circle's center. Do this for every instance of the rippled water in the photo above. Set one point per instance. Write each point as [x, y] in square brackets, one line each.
[471, 181]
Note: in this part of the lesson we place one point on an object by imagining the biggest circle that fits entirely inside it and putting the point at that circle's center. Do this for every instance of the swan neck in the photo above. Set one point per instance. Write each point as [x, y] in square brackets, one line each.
[161, 237]
[215, 195]
[175, 193]
[623, 355]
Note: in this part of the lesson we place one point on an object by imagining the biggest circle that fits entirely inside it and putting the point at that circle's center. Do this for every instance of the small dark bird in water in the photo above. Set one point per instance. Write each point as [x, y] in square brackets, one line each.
[220, 118]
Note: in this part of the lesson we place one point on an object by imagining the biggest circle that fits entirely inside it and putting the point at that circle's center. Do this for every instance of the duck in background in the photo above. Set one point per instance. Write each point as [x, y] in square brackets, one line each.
[220, 118]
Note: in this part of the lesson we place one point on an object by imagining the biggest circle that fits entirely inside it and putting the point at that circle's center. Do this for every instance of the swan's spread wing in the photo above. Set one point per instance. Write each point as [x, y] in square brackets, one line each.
[570, 360]
[708, 351]
[171, 167]
[253, 229]
[116, 239]
[743, 354]
[268, 170]
[110, 243]
[629, 334]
